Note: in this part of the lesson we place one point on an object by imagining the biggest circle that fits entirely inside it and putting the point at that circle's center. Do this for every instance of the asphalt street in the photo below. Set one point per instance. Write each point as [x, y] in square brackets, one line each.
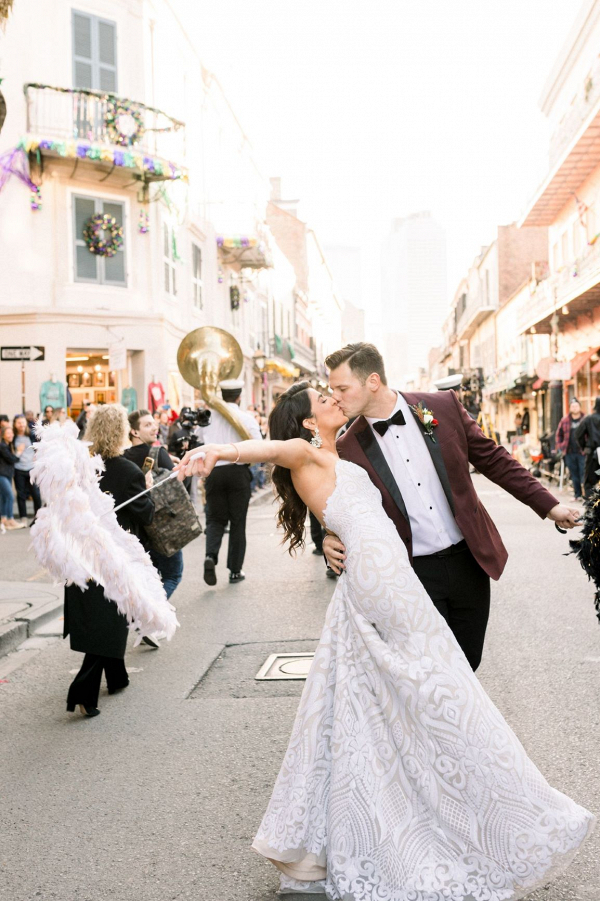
[158, 798]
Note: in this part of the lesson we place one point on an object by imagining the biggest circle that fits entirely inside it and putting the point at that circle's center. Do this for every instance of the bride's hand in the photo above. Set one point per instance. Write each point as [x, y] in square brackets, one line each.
[335, 553]
[197, 462]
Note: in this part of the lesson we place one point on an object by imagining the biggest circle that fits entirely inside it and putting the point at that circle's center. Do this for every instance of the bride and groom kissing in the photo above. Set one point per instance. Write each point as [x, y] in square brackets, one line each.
[402, 781]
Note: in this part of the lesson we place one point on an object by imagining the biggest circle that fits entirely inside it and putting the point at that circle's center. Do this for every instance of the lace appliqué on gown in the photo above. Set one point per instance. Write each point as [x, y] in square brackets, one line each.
[402, 781]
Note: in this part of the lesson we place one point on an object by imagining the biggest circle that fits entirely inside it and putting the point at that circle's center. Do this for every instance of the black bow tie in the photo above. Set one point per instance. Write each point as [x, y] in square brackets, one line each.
[383, 425]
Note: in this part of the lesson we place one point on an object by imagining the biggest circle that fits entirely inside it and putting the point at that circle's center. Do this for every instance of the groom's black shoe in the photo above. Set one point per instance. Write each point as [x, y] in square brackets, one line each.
[210, 575]
[331, 574]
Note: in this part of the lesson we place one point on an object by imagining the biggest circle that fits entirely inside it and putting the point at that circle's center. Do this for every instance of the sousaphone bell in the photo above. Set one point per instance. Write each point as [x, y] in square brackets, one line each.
[206, 357]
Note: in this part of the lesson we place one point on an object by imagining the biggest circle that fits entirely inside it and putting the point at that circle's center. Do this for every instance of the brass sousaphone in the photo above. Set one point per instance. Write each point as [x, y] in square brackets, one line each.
[206, 357]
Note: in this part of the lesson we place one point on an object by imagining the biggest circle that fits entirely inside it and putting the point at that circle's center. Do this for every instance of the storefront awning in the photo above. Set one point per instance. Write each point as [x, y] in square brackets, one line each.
[579, 360]
[539, 383]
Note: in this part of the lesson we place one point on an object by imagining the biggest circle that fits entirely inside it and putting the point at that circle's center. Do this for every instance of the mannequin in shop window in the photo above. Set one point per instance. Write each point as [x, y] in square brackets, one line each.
[52, 393]
[129, 399]
[156, 395]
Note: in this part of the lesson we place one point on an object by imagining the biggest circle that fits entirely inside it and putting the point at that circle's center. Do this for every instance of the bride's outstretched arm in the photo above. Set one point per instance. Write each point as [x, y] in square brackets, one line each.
[201, 461]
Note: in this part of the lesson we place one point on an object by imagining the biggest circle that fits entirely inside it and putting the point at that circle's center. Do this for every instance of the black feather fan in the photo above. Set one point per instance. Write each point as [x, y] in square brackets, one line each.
[587, 546]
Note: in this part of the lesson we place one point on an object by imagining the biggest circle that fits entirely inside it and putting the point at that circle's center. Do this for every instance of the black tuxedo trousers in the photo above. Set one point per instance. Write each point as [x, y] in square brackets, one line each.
[460, 590]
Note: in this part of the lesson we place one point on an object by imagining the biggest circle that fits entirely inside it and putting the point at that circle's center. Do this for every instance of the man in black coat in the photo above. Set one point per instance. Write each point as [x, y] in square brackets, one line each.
[587, 436]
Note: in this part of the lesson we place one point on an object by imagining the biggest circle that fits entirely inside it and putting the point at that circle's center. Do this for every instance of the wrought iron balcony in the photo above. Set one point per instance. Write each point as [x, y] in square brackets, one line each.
[576, 286]
[581, 109]
[104, 128]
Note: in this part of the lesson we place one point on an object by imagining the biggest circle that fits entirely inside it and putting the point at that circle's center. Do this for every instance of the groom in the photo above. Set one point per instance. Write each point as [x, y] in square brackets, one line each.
[420, 463]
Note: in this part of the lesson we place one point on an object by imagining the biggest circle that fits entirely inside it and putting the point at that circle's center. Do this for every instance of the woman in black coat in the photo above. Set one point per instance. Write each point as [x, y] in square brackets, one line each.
[92, 621]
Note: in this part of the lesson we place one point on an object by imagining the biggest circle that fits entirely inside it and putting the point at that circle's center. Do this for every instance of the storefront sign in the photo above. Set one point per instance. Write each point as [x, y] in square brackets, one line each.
[560, 372]
[22, 354]
[117, 357]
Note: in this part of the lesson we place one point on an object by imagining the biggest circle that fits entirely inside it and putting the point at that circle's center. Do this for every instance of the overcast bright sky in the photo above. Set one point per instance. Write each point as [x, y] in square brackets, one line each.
[371, 110]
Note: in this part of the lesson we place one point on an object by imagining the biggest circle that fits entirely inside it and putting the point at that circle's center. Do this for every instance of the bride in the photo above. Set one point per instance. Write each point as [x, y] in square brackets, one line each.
[402, 781]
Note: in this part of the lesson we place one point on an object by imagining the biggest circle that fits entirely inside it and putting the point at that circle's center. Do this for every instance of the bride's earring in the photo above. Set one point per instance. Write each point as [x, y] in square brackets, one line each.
[316, 440]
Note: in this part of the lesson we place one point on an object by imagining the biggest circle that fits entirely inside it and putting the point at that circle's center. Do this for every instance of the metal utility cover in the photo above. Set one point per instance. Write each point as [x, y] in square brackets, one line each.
[285, 666]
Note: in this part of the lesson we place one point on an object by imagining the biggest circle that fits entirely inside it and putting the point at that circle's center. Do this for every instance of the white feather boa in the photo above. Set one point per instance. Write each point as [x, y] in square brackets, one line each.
[76, 536]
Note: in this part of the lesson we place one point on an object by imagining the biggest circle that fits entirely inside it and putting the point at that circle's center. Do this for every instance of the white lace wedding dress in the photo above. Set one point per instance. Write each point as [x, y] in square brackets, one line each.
[402, 781]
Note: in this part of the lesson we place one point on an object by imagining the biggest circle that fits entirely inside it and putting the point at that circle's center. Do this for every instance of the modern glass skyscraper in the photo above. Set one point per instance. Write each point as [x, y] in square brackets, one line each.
[414, 298]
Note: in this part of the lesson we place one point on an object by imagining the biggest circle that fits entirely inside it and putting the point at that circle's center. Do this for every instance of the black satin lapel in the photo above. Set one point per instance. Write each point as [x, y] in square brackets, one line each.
[371, 447]
[438, 461]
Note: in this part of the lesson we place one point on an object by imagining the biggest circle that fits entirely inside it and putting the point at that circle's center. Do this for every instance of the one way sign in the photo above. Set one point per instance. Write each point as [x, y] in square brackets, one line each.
[22, 353]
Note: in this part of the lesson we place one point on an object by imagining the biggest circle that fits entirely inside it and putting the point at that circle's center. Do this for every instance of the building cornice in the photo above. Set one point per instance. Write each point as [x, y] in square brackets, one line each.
[10, 317]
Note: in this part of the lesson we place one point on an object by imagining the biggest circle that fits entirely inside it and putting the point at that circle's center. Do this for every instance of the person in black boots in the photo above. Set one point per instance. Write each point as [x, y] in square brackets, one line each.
[93, 622]
[227, 488]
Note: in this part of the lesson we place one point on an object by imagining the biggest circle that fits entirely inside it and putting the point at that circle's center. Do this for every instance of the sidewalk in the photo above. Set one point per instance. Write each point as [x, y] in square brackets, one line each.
[27, 608]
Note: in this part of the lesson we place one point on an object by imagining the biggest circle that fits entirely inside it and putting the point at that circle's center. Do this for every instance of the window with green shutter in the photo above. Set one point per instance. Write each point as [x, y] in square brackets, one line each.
[94, 53]
[197, 276]
[90, 267]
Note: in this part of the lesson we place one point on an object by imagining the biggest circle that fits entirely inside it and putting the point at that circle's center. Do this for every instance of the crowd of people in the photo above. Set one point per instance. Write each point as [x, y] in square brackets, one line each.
[17, 454]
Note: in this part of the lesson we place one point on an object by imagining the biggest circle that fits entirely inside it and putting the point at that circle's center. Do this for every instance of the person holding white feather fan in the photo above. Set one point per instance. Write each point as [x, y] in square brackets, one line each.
[111, 585]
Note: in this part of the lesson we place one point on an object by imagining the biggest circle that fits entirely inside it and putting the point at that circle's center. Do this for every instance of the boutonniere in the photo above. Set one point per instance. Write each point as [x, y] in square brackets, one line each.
[426, 418]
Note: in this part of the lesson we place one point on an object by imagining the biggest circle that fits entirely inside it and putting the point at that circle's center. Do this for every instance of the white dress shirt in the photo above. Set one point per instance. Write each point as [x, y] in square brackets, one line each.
[222, 432]
[431, 519]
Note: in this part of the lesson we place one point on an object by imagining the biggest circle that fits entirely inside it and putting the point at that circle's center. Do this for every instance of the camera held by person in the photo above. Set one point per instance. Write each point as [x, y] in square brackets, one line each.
[186, 438]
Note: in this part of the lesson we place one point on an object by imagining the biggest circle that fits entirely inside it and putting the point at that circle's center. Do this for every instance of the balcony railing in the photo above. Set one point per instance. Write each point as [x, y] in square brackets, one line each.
[64, 119]
[579, 112]
[561, 288]
[477, 309]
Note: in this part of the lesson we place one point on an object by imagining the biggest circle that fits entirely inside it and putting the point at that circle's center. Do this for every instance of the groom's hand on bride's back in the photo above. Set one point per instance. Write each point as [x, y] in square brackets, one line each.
[335, 553]
[564, 516]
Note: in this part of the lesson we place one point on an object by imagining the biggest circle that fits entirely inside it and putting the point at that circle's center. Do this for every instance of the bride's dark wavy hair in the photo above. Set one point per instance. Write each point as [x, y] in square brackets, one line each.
[285, 422]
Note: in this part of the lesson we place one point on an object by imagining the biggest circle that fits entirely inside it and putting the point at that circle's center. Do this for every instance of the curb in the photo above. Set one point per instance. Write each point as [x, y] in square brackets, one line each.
[12, 634]
[42, 603]
[262, 497]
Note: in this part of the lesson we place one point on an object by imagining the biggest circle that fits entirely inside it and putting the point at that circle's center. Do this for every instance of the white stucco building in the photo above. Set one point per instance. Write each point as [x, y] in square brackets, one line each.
[118, 117]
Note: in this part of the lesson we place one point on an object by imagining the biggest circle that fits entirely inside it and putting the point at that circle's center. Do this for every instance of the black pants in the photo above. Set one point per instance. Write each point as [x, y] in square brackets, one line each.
[227, 498]
[591, 479]
[460, 590]
[317, 532]
[25, 488]
[85, 687]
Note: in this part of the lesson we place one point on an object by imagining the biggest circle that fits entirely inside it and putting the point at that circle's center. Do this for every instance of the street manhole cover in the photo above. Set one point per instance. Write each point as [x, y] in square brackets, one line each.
[254, 671]
[285, 666]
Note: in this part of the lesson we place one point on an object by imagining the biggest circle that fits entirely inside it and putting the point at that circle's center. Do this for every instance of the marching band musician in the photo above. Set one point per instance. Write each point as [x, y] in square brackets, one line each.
[227, 488]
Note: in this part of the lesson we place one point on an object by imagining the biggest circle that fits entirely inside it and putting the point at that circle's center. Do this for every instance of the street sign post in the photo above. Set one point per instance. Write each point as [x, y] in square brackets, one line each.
[22, 354]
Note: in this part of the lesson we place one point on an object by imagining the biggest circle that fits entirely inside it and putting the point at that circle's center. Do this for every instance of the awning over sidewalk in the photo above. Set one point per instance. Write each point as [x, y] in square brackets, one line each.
[539, 383]
[579, 360]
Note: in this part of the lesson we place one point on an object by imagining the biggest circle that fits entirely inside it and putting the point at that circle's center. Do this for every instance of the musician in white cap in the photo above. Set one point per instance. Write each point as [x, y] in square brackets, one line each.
[227, 488]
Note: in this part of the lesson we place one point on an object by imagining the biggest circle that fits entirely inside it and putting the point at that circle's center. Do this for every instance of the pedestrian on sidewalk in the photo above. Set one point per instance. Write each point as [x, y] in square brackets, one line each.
[93, 622]
[587, 436]
[566, 443]
[26, 454]
[8, 458]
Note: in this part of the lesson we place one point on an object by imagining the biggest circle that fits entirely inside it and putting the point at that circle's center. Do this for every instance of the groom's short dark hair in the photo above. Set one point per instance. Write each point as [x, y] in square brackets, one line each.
[362, 358]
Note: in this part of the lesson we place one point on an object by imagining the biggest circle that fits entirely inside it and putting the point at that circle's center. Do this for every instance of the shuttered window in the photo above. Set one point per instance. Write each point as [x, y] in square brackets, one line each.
[90, 267]
[197, 275]
[169, 259]
[94, 53]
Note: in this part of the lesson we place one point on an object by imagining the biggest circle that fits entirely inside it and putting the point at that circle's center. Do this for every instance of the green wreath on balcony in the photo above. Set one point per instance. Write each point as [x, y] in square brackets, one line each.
[94, 231]
[118, 114]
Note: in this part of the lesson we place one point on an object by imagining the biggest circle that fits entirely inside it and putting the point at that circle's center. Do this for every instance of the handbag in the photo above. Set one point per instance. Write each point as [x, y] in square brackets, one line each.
[175, 521]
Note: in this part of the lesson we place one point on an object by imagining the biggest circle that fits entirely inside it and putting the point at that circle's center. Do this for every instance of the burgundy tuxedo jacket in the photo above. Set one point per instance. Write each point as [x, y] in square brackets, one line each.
[458, 442]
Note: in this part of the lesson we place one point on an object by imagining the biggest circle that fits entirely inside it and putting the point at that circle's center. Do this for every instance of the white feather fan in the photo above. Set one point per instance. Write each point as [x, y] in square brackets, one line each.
[76, 536]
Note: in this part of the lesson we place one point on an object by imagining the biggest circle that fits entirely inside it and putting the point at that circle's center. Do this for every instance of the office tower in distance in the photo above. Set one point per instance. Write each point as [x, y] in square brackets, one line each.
[414, 294]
